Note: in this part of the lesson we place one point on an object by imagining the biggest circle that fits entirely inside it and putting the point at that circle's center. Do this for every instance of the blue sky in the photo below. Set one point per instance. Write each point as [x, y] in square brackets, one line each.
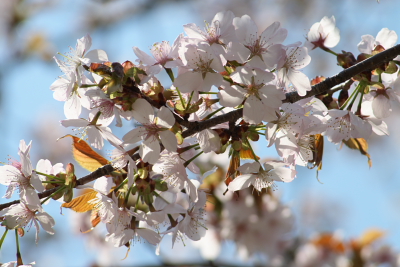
[361, 197]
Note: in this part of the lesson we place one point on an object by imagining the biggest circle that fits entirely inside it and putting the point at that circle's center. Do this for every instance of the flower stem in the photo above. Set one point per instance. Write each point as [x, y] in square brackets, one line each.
[353, 95]
[170, 74]
[3, 237]
[56, 192]
[49, 176]
[213, 113]
[252, 151]
[190, 160]
[328, 50]
[19, 257]
[121, 184]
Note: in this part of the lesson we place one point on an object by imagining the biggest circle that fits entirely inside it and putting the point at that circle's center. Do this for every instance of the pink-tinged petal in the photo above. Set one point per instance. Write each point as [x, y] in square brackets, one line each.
[241, 182]
[247, 168]
[74, 123]
[143, 112]
[151, 236]
[188, 81]
[253, 110]
[135, 135]
[165, 118]
[168, 139]
[72, 107]
[144, 57]
[150, 150]
[97, 55]
[46, 221]
[300, 82]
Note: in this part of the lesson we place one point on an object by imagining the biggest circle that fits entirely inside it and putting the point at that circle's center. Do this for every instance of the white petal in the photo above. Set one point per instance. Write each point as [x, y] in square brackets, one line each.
[151, 236]
[135, 135]
[142, 111]
[46, 221]
[168, 139]
[241, 182]
[150, 150]
[165, 118]
[97, 55]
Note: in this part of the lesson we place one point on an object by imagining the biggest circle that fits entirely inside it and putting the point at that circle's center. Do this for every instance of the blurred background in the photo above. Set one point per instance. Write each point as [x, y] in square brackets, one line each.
[349, 197]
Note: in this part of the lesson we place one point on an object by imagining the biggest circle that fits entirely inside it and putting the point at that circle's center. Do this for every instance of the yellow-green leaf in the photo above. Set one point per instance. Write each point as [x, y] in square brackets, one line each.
[85, 155]
[81, 203]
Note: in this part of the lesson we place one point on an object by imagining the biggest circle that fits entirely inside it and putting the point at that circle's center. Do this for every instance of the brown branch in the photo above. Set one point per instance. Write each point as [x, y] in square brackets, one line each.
[195, 127]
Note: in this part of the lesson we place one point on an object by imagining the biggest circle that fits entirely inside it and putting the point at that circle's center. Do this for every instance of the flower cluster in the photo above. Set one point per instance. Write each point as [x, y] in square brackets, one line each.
[229, 69]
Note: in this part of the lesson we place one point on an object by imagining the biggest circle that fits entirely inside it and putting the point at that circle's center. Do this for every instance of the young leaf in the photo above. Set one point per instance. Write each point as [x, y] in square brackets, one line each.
[85, 155]
[81, 203]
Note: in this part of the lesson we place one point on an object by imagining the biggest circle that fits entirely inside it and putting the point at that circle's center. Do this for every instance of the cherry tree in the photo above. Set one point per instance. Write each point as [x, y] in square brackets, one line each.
[231, 84]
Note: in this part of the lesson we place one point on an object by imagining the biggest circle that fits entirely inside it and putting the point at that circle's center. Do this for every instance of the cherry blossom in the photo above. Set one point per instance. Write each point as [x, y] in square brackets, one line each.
[153, 131]
[81, 55]
[203, 68]
[264, 50]
[22, 176]
[95, 130]
[164, 55]
[23, 214]
[296, 59]
[386, 38]
[121, 231]
[323, 34]
[255, 175]
[343, 124]
[261, 100]
[218, 33]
